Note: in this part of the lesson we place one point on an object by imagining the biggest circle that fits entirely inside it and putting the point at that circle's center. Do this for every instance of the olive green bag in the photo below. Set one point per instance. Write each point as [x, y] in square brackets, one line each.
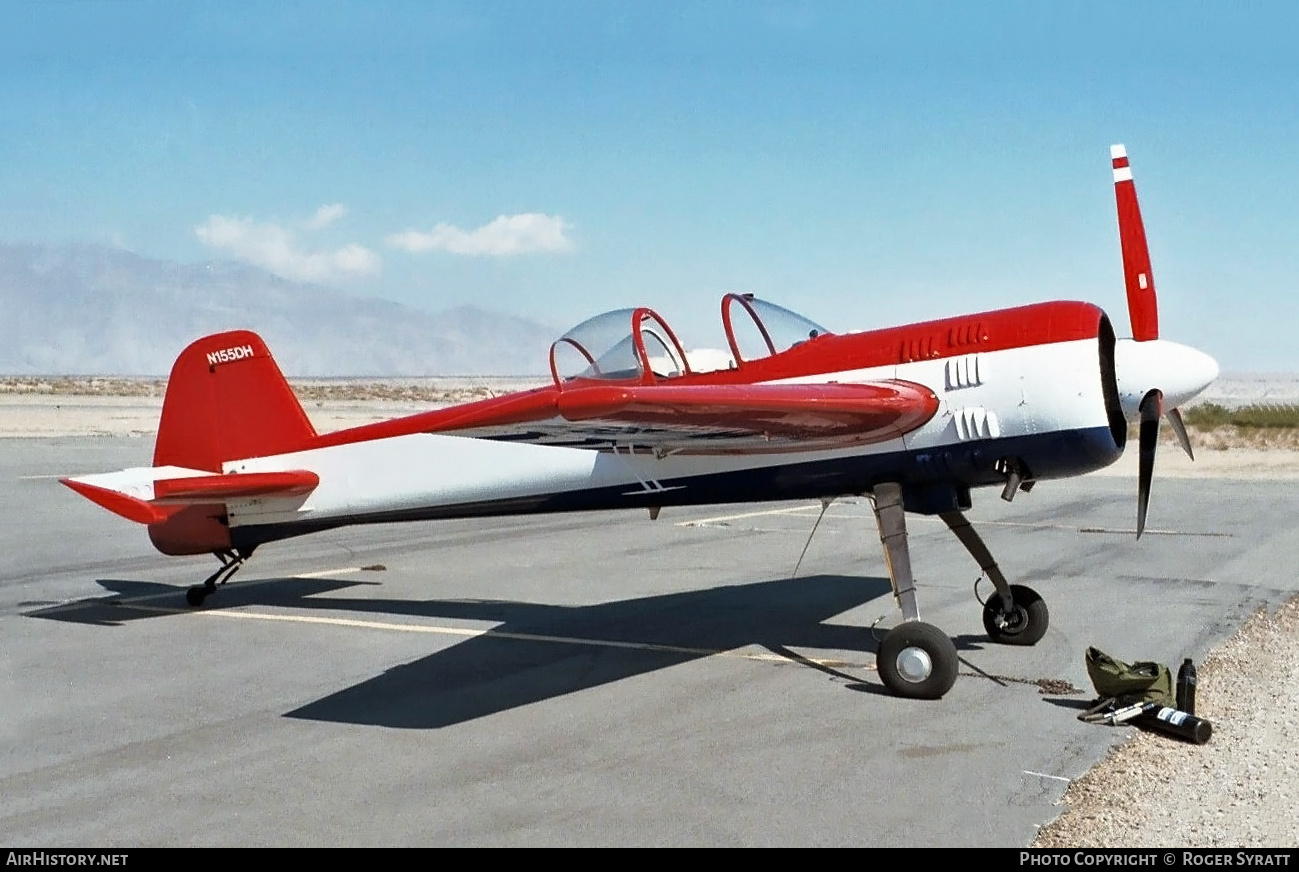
[1129, 683]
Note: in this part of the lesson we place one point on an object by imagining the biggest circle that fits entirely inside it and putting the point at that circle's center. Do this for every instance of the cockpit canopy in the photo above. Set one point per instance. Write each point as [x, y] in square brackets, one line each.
[622, 345]
[768, 329]
[636, 345]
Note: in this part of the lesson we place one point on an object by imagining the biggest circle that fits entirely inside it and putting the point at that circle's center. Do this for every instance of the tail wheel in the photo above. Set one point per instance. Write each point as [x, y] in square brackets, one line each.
[1024, 623]
[917, 661]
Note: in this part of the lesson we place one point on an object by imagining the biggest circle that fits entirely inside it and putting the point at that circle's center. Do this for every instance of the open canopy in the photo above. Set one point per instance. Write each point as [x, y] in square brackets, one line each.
[756, 328]
[637, 345]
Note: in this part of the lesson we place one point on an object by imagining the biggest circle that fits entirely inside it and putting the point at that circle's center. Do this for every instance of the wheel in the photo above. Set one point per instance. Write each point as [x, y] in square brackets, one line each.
[1025, 625]
[195, 595]
[917, 661]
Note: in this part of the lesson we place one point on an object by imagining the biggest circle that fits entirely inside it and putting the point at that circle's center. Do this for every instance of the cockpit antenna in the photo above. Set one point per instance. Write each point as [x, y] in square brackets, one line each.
[484, 385]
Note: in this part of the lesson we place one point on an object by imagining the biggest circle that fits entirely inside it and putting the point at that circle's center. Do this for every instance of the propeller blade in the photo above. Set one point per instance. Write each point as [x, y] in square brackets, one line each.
[1179, 427]
[1152, 407]
[1143, 309]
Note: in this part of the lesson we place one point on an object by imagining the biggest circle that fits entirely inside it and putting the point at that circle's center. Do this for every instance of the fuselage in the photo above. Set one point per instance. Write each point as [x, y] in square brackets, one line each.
[1002, 398]
[1034, 386]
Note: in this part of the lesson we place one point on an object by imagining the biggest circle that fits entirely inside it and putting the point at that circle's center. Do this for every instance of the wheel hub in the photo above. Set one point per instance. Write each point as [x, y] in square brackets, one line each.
[1013, 621]
[914, 664]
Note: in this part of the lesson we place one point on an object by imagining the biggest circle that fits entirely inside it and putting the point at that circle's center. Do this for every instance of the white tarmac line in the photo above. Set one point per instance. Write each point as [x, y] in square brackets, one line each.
[1149, 532]
[1044, 775]
[326, 573]
[797, 510]
[1028, 525]
[699, 522]
[137, 603]
[468, 633]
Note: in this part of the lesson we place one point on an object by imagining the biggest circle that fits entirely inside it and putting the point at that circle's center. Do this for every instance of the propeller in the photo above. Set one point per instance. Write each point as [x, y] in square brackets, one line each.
[1152, 407]
[1155, 376]
[1179, 429]
[1139, 279]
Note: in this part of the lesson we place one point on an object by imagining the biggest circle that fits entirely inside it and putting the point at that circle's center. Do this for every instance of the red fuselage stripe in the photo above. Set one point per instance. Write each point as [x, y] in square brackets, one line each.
[1021, 327]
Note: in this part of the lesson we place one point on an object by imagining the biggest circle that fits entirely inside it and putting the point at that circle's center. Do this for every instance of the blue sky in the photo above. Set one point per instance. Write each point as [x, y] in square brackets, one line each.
[865, 164]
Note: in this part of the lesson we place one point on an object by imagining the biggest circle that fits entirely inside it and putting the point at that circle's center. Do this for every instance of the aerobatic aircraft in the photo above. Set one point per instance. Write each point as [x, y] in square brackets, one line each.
[913, 417]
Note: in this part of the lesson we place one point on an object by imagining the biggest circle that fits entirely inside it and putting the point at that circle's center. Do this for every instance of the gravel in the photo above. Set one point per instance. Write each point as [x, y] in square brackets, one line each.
[1238, 790]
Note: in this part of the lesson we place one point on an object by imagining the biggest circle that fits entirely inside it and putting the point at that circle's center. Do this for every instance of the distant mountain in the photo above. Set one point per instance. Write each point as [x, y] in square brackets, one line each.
[85, 309]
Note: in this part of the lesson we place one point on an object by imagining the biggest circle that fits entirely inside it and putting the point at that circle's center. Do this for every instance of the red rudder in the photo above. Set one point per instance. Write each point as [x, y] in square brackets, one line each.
[227, 400]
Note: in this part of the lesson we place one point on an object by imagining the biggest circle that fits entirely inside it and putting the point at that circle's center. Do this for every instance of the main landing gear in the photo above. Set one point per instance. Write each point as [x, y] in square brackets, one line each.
[918, 660]
[230, 563]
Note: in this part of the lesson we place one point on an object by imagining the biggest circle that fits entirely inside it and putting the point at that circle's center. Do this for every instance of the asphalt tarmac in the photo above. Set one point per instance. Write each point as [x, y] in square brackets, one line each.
[591, 679]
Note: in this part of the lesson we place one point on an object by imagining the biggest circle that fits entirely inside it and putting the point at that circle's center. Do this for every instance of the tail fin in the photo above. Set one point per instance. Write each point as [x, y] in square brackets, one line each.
[226, 399]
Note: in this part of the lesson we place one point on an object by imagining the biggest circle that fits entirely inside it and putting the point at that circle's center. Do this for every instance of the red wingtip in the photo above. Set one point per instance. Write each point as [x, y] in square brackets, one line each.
[1143, 309]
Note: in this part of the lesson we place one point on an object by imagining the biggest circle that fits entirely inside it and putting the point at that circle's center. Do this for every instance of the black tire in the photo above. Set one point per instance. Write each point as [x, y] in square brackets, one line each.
[917, 661]
[195, 595]
[1026, 625]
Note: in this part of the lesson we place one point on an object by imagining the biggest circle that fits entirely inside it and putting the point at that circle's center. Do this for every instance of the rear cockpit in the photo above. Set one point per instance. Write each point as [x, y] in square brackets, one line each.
[638, 346]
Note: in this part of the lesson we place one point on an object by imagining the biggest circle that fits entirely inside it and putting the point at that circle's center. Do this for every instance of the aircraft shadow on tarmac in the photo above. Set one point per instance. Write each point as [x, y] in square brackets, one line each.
[582, 647]
[539, 651]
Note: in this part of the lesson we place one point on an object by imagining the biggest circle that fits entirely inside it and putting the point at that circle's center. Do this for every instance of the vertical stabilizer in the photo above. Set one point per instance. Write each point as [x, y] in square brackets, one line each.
[226, 400]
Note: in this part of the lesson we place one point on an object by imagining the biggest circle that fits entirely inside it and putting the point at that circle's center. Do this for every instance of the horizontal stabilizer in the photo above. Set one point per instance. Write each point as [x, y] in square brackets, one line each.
[218, 488]
[129, 507]
[147, 501]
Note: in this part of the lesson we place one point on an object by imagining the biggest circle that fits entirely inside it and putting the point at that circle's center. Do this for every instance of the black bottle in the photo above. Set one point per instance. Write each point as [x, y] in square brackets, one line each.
[1186, 687]
[1176, 723]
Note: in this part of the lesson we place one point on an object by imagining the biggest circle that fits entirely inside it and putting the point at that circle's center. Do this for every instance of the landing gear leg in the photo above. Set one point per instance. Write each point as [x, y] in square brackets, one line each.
[1015, 614]
[915, 660]
[230, 563]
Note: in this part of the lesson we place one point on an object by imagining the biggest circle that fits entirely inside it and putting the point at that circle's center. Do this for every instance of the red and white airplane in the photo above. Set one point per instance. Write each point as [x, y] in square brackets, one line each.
[914, 417]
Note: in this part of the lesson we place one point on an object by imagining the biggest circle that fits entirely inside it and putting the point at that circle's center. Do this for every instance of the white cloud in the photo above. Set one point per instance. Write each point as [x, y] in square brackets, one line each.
[275, 248]
[506, 236]
[325, 216]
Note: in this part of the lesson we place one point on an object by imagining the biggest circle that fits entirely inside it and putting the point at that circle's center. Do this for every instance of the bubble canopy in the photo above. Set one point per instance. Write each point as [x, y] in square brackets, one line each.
[637, 345]
[622, 345]
[756, 329]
